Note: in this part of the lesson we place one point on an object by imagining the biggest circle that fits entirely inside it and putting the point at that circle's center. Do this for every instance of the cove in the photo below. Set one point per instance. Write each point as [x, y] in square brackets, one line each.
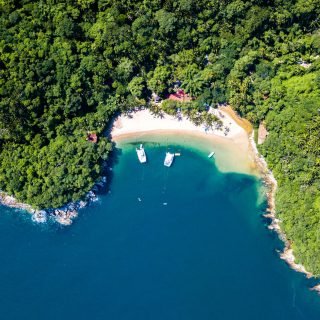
[194, 247]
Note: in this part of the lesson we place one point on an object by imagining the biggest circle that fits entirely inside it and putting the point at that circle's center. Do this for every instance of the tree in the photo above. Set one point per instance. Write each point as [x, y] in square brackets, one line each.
[136, 86]
[159, 79]
[166, 21]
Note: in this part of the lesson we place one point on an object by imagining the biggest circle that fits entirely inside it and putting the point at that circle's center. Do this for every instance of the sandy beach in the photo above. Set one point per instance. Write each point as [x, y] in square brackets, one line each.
[235, 141]
[144, 120]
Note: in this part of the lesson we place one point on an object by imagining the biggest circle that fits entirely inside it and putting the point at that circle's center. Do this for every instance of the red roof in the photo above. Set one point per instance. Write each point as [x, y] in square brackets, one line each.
[180, 95]
[92, 137]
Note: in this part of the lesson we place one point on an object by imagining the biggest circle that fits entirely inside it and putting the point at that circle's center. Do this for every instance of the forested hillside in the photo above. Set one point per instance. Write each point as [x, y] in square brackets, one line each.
[66, 67]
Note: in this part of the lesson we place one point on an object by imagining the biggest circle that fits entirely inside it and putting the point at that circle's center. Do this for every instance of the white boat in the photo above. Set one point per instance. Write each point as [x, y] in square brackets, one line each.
[141, 154]
[168, 159]
[211, 154]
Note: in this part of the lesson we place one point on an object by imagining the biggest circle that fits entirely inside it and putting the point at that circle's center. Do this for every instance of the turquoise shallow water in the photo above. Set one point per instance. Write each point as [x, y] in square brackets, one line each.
[206, 254]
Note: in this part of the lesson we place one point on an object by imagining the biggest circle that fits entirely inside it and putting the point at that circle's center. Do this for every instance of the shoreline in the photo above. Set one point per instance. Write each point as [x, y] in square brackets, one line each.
[271, 184]
[275, 225]
[146, 123]
[64, 215]
[230, 139]
[234, 130]
[118, 133]
[231, 154]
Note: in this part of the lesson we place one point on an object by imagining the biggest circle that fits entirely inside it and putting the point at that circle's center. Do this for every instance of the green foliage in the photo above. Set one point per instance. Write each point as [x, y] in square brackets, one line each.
[292, 150]
[51, 175]
[136, 86]
[171, 107]
[159, 79]
[166, 21]
[193, 111]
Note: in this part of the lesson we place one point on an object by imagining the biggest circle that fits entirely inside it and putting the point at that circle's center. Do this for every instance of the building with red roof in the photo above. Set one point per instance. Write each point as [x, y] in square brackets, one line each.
[92, 137]
[180, 95]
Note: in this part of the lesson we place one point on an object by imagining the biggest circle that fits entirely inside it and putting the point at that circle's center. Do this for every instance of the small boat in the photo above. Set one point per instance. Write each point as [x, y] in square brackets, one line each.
[211, 154]
[168, 159]
[141, 154]
[177, 154]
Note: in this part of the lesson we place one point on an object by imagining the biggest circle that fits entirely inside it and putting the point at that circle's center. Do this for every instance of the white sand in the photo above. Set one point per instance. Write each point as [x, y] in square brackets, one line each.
[142, 121]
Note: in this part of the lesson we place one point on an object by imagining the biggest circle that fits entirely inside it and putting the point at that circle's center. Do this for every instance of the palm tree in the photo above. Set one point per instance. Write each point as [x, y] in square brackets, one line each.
[193, 86]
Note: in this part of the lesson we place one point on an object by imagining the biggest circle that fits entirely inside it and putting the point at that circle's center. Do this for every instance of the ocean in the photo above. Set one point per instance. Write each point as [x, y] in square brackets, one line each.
[187, 242]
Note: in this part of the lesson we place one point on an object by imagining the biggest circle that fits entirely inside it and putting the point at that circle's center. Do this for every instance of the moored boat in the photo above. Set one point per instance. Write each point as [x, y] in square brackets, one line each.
[141, 154]
[211, 154]
[168, 159]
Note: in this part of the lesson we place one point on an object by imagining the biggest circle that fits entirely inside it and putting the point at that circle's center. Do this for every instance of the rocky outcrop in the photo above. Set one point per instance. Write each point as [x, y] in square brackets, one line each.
[63, 215]
[288, 256]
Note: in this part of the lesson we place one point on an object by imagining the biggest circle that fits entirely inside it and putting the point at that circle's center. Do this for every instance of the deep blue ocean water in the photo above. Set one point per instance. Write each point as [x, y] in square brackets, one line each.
[194, 247]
